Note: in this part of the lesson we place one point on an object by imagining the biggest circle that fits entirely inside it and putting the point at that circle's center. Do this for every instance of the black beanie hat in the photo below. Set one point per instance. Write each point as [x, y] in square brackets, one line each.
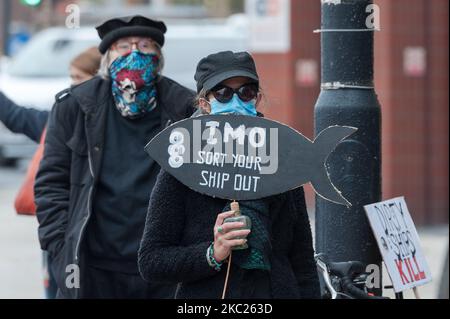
[114, 29]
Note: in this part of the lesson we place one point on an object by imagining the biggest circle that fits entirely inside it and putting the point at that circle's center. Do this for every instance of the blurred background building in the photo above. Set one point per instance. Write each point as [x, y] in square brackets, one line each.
[411, 73]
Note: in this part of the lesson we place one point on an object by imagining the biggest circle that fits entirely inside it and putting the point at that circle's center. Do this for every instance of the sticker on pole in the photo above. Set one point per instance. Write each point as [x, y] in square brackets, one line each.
[244, 158]
[399, 243]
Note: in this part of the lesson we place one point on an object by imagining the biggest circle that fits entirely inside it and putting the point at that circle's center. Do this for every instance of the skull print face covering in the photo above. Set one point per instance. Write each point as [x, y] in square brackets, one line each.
[133, 83]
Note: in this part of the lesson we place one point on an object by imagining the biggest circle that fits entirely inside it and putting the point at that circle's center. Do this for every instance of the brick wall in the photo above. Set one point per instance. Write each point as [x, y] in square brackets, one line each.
[415, 108]
[287, 100]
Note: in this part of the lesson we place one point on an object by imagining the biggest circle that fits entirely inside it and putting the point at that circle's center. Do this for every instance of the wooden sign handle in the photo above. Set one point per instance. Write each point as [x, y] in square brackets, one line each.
[234, 207]
[416, 293]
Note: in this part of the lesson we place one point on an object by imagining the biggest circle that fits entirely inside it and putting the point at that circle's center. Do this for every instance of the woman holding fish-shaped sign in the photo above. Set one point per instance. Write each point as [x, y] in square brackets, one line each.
[189, 237]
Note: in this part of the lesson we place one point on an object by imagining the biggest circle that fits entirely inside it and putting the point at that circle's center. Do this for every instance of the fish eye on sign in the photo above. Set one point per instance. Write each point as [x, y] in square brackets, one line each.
[243, 158]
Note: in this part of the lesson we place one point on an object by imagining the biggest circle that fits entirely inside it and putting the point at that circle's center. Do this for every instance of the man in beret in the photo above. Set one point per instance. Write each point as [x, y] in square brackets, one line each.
[93, 185]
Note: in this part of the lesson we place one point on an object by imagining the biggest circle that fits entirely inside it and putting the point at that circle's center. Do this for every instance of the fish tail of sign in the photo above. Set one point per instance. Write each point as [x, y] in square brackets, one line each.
[325, 188]
[324, 144]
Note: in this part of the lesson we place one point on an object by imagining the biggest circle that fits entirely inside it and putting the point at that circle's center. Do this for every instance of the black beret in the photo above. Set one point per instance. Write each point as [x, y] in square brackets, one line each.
[114, 29]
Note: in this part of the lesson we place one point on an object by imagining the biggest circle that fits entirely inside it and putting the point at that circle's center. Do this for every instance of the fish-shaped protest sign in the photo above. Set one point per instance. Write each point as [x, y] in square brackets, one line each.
[239, 157]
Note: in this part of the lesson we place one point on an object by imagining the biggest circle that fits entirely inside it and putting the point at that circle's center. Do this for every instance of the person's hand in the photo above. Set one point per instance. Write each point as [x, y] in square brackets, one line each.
[225, 236]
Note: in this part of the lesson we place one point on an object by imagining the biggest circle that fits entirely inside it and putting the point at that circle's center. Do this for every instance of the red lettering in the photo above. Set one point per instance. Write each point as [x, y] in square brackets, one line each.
[421, 272]
[400, 271]
[410, 270]
[411, 277]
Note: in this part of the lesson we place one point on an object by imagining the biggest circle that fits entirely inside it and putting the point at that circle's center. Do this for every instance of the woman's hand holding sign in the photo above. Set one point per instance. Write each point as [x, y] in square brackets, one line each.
[227, 236]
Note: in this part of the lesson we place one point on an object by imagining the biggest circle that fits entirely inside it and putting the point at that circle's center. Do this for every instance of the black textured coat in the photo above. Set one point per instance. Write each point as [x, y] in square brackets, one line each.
[66, 181]
[179, 229]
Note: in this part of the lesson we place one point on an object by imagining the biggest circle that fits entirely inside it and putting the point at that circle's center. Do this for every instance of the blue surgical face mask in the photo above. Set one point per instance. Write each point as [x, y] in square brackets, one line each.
[234, 106]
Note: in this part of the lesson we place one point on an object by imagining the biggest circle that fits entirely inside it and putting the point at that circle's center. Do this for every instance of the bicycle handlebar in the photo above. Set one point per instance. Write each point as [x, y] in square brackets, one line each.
[348, 287]
[346, 272]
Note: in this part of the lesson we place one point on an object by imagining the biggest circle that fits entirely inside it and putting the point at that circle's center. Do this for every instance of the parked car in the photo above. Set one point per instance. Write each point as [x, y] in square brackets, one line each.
[34, 76]
[40, 70]
[187, 43]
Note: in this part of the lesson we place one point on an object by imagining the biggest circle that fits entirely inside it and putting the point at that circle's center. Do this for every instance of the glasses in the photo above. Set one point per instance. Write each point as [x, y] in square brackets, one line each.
[246, 93]
[145, 46]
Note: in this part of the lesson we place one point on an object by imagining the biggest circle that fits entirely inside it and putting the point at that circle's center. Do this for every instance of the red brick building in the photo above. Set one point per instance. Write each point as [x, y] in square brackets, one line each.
[411, 75]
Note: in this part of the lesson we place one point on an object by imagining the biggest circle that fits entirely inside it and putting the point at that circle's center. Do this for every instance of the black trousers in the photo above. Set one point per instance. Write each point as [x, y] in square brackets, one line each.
[105, 284]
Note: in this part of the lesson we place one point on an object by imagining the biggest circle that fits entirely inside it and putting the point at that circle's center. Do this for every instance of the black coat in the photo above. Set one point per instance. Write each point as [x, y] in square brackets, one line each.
[21, 120]
[179, 229]
[66, 181]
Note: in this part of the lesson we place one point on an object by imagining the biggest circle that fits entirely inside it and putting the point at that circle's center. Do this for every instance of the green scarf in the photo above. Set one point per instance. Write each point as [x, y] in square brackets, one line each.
[257, 256]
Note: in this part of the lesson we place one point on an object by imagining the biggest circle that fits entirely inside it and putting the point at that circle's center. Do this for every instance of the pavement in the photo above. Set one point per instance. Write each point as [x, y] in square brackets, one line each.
[20, 255]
